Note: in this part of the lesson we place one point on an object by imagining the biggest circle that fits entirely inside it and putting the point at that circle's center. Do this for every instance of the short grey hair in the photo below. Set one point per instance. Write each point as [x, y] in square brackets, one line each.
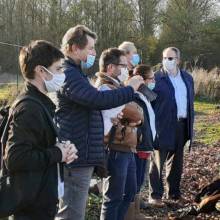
[175, 49]
[127, 47]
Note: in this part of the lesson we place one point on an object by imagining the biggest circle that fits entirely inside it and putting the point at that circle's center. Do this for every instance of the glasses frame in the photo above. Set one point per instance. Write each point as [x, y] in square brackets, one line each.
[169, 58]
[121, 64]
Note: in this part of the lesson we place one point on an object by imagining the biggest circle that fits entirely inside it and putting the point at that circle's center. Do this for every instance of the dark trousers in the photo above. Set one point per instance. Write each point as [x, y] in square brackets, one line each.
[140, 171]
[40, 213]
[119, 188]
[173, 161]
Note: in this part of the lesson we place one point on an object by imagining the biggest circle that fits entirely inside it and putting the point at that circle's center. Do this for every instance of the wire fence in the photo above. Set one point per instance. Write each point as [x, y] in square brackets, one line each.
[10, 77]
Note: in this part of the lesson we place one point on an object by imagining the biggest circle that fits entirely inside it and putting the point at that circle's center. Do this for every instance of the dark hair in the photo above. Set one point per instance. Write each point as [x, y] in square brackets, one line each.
[38, 52]
[110, 56]
[77, 35]
[143, 70]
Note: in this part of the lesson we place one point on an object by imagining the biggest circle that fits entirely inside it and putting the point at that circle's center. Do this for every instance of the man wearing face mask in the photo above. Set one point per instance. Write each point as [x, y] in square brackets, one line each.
[31, 149]
[132, 56]
[119, 187]
[174, 115]
[79, 118]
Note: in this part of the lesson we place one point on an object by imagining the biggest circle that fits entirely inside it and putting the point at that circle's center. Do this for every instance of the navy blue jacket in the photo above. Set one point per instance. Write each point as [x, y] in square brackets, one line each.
[79, 118]
[165, 109]
[144, 130]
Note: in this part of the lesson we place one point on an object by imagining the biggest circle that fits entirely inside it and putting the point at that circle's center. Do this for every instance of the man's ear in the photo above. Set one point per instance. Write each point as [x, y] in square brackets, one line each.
[110, 68]
[38, 70]
[74, 48]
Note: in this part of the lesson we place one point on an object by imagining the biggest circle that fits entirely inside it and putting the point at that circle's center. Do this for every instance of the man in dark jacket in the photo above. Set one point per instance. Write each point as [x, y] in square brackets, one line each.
[174, 116]
[32, 153]
[79, 118]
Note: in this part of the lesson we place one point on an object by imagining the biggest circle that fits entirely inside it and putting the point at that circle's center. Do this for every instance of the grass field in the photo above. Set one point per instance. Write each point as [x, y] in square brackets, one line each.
[207, 123]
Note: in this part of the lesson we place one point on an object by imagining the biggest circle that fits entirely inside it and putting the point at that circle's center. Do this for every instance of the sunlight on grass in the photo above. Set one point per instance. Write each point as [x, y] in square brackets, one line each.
[9, 92]
[207, 124]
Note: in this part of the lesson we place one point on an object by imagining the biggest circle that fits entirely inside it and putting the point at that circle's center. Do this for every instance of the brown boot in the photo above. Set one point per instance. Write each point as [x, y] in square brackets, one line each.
[138, 214]
[130, 215]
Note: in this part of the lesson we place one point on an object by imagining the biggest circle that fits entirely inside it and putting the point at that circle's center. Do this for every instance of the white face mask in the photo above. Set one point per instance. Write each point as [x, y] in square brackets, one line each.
[169, 65]
[56, 82]
[124, 75]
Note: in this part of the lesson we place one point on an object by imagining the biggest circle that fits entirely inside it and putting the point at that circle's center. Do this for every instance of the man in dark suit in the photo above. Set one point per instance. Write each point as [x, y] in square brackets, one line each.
[174, 113]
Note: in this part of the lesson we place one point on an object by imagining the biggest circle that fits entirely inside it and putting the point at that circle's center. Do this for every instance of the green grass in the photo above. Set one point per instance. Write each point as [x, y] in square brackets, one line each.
[93, 207]
[207, 124]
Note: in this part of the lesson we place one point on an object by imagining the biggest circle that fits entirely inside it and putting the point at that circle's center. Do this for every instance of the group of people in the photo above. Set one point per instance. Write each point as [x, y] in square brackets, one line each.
[110, 127]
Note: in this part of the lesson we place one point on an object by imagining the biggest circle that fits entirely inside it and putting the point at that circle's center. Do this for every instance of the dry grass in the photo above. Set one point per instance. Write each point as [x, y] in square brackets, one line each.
[8, 93]
[207, 84]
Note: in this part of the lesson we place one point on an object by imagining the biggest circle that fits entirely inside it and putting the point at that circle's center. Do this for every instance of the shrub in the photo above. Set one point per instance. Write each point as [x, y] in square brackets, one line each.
[207, 84]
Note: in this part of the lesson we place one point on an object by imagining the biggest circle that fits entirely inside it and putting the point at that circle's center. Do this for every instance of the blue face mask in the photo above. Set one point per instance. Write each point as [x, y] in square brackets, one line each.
[135, 60]
[89, 62]
[151, 85]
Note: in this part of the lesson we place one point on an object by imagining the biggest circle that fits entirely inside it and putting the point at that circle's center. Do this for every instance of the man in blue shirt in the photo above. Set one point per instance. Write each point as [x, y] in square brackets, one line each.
[174, 113]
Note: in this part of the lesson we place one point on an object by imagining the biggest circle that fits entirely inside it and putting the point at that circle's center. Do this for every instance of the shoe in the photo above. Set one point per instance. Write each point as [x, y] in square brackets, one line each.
[158, 203]
[183, 213]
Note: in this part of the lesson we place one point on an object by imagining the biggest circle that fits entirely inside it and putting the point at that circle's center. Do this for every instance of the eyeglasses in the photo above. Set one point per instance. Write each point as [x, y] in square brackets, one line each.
[151, 78]
[169, 58]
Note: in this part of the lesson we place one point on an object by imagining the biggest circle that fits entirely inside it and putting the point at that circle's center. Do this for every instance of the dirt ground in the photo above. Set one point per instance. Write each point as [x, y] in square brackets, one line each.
[201, 166]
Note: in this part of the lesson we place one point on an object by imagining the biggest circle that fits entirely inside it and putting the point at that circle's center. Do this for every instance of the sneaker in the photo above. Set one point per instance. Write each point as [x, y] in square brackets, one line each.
[158, 203]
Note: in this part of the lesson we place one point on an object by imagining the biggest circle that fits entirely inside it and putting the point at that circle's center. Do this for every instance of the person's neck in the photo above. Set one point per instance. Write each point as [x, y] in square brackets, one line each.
[41, 87]
[74, 58]
[174, 72]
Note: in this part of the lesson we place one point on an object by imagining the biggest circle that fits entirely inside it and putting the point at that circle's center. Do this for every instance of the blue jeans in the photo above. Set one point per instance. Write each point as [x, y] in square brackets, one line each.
[120, 187]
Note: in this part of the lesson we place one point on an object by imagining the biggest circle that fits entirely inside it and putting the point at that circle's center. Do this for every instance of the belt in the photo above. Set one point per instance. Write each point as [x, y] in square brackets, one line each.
[181, 119]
